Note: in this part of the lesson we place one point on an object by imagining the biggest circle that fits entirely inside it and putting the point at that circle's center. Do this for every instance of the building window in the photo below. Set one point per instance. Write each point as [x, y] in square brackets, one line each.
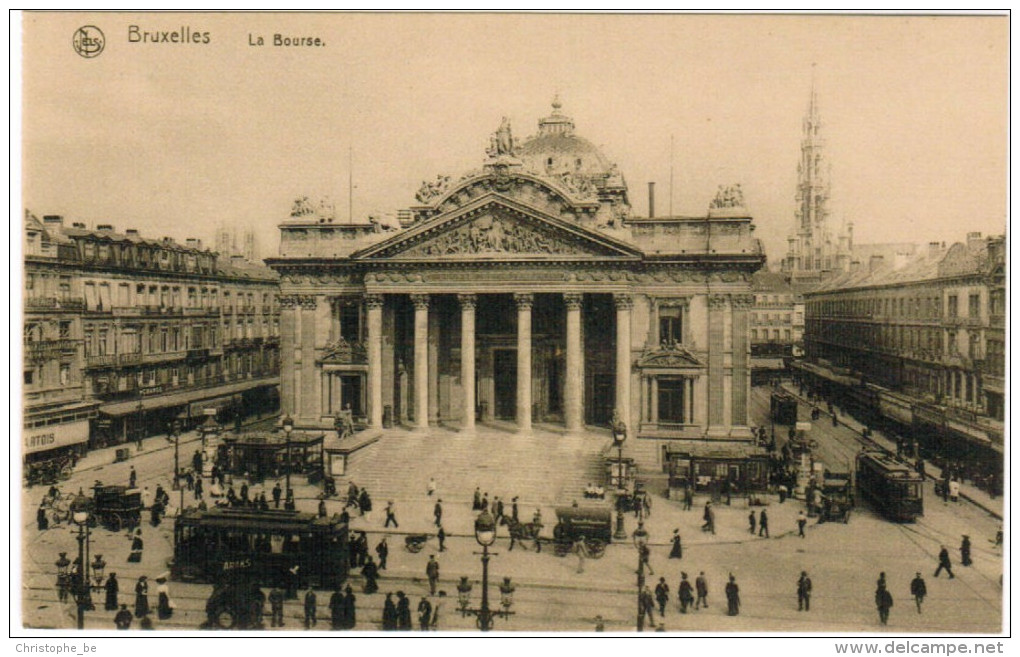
[29, 377]
[974, 305]
[33, 332]
[65, 329]
[671, 325]
[671, 399]
[952, 305]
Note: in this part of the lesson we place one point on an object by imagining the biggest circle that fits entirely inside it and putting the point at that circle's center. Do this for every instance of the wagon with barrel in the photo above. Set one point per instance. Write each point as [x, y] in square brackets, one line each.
[117, 507]
[592, 525]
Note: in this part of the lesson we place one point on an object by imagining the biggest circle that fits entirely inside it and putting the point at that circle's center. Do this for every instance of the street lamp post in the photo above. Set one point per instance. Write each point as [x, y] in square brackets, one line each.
[485, 534]
[80, 514]
[288, 428]
[640, 542]
[619, 436]
[177, 460]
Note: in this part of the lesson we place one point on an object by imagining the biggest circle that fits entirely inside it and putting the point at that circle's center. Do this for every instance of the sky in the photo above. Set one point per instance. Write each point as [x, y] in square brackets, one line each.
[174, 139]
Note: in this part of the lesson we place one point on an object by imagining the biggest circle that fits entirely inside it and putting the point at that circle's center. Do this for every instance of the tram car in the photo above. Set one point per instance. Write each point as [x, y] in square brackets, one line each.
[267, 547]
[784, 408]
[893, 487]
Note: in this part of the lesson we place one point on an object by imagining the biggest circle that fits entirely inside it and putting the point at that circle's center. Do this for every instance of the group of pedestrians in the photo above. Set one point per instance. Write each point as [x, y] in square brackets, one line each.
[124, 618]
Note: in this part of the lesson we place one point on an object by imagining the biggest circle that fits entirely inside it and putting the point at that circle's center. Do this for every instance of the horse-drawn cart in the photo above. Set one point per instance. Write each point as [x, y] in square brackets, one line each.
[117, 507]
[592, 525]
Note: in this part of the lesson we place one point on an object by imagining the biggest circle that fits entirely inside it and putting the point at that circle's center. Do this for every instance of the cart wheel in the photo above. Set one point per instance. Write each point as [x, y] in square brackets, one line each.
[225, 618]
[596, 549]
[114, 523]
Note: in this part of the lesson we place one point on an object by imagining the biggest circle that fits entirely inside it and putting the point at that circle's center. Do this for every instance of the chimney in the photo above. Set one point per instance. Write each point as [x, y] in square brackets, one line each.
[53, 220]
[78, 224]
[875, 263]
[973, 239]
[104, 228]
[651, 200]
[934, 249]
[193, 243]
[900, 259]
[131, 232]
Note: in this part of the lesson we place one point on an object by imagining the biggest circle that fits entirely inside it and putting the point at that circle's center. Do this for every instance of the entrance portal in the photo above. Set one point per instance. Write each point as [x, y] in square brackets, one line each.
[505, 379]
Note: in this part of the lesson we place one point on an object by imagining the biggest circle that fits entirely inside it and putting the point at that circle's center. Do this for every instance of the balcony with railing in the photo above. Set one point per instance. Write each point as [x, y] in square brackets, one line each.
[100, 360]
[53, 303]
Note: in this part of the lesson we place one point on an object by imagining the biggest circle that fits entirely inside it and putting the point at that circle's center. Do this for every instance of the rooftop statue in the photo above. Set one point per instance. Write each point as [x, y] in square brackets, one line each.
[502, 141]
[729, 196]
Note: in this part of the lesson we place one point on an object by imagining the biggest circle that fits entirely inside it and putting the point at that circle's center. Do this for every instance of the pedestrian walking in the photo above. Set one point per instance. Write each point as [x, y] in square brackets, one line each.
[310, 608]
[645, 553]
[944, 563]
[424, 614]
[484, 506]
[688, 497]
[918, 589]
[579, 549]
[164, 604]
[701, 586]
[277, 495]
[732, 597]
[884, 602]
[276, 607]
[199, 489]
[804, 592]
[677, 552]
[123, 618]
[801, 522]
[336, 610]
[391, 515]
[403, 612]
[431, 486]
[707, 517]
[498, 508]
[437, 512]
[142, 597]
[782, 493]
[662, 595]
[371, 574]
[197, 462]
[647, 602]
[965, 551]
[112, 587]
[132, 477]
[686, 593]
[763, 524]
[752, 521]
[382, 550]
[954, 490]
[441, 536]
[350, 611]
[42, 522]
[137, 545]
[432, 572]
[476, 501]
[389, 614]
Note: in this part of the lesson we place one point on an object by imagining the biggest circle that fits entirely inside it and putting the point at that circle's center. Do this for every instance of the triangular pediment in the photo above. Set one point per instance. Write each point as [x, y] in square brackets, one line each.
[495, 227]
[669, 357]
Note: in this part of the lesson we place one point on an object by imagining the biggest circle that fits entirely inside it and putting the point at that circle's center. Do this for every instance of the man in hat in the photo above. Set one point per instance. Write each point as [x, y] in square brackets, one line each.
[662, 595]
[391, 515]
[804, 592]
[382, 550]
[277, 495]
[701, 586]
[752, 522]
[432, 572]
[965, 551]
[944, 563]
[441, 536]
[437, 511]
[123, 618]
[310, 608]
[686, 593]
[918, 589]
[763, 524]
[424, 614]
[276, 606]
[732, 597]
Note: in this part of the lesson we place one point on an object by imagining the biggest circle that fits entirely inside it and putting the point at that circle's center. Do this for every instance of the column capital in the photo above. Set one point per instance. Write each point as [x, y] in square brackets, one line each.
[717, 301]
[623, 301]
[524, 300]
[573, 300]
[373, 301]
[468, 301]
[742, 301]
[420, 301]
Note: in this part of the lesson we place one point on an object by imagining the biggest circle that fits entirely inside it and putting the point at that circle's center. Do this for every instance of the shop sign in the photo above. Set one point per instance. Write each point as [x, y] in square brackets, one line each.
[42, 439]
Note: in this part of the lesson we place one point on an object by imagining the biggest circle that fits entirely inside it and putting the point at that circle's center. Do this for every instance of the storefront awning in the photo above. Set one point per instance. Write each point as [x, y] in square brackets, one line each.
[181, 398]
[768, 363]
[41, 439]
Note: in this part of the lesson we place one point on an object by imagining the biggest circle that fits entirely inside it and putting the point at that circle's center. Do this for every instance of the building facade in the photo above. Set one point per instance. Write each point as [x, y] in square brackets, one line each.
[928, 331]
[521, 293]
[144, 331]
[777, 323]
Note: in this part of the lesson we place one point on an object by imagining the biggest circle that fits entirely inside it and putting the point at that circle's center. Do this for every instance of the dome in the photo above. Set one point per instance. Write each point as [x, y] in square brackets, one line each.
[556, 150]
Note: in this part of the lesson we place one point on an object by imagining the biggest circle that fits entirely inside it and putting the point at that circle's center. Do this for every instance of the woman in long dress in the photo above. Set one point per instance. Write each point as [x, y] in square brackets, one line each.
[678, 551]
[142, 597]
[112, 590]
[136, 547]
[164, 609]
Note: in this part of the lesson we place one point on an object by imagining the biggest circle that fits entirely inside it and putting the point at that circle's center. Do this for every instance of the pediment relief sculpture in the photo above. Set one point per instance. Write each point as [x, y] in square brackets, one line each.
[669, 356]
[494, 234]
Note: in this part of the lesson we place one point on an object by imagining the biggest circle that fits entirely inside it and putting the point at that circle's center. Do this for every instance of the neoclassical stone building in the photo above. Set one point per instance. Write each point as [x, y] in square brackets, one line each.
[524, 293]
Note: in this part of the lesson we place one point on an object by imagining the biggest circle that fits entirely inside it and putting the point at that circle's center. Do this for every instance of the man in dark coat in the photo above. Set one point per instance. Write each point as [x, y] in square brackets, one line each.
[364, 502]
[112, 587]
[199, 487]
[336, 610]
[751, 521]
[383, 551]
[310, 608]
[437, 511]
[41, 521]
[965, 551]
[389, 614]
[499, 510]
[424, 614]
[432, 572]
[944, 563]
[647, 603]
[918, 589]
[244, 492]
[371, 573]
[476, 502]
[350, 616]
[142, 597]
[132, 478]
[196, 462]
[701, 586]
[662, 595]
[276, 606]
[688, 497]
[763, 524]
[403, 612]
[441, 535]
[804, 592]
[123, 618]
[732, 597]
[277, 495]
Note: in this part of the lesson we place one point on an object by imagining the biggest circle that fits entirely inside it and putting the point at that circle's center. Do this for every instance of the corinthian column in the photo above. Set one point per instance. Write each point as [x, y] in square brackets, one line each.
[574, 392]
[374, 303]
[467, 357]
[524, 302]
[623, 303]
[421, 360]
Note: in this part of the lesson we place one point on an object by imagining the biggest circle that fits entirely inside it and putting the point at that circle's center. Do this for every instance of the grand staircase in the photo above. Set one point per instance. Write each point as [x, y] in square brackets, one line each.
[543, 466]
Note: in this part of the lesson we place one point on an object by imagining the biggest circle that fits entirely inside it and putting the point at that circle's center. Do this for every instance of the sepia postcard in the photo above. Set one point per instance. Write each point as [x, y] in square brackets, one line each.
[546, 324]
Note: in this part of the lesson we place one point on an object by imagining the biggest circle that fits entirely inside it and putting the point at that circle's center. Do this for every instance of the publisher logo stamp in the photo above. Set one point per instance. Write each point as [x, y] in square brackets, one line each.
[89, 41]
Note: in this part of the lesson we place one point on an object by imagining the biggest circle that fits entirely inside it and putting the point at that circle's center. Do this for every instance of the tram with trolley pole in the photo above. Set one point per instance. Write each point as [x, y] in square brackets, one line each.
[893, 487]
